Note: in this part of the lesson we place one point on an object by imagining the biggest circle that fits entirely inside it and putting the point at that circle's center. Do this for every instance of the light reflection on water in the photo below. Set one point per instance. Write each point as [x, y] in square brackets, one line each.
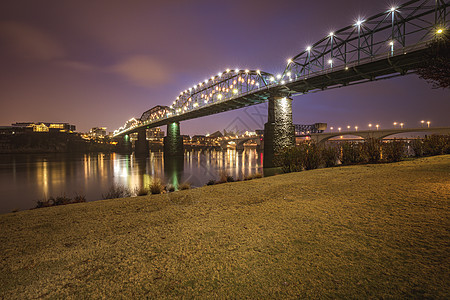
[26, 178]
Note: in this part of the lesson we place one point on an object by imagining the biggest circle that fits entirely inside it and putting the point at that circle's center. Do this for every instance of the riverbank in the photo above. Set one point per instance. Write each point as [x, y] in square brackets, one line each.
[349, 232]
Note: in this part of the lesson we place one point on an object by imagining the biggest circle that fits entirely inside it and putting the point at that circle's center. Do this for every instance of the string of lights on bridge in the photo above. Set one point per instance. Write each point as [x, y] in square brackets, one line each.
[377, 126]
[343, 49]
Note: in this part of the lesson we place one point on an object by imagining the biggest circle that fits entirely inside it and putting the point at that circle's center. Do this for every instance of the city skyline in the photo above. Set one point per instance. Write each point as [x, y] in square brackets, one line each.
[99, 64]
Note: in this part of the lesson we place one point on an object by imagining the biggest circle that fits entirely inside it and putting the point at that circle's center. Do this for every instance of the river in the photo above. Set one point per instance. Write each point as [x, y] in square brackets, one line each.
[27, 178]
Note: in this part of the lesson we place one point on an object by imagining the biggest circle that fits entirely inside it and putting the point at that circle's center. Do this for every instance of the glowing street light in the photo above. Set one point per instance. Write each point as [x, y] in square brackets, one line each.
[440, 31]
[377, 126]
[339, 129]
[392, 47]
[331, 63]
[356, 128]
[422, 122]
[331, 129]
[428, 123]
[395, 124]
[348, 127]
[370, 126]
[401, 125]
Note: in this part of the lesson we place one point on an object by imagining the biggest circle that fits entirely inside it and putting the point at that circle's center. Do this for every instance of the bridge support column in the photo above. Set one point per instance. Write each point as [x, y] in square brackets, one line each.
[173, 142]
[279, 130]
[141, 146]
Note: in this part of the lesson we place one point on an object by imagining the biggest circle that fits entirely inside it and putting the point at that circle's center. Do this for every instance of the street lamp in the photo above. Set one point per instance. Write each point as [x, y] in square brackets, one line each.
[339, 129]
[377, 126]
[401, 125]
[331, 129]
[356, 128]
[370, 126]
[428, 123]
[422, 122]
[348, 127]
[395, 124]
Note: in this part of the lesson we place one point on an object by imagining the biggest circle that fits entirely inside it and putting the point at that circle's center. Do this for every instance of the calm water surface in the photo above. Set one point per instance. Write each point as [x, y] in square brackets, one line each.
[26, 178]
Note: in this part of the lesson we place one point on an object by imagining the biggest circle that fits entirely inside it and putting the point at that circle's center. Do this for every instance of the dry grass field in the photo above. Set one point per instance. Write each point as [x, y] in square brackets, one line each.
[371, 231]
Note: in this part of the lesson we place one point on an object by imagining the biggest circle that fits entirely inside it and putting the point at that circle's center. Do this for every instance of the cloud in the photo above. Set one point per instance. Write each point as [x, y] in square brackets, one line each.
[143, 70]
[28, 42]
[76, 65]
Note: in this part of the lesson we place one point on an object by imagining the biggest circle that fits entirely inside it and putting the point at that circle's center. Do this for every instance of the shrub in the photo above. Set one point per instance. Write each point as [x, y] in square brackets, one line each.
[351, 153]
[211, 182]
[156, 187]
[118, 191]
[141, 191]
[435, 145]
[313, 156]
[393, 151]
[258, 175]
[230, 178]
[61, 200]
[185, 186]
[417, 147]
[79, 199]
[291, 159]
[170, 188]
[372, 150]
[330, 156]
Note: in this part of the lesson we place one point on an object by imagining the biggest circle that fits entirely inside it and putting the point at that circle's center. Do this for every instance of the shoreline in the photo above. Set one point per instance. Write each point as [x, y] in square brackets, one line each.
[351, 231]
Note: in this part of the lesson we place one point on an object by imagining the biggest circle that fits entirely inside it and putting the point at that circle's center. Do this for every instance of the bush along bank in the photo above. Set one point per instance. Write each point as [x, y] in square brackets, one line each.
[309, 155]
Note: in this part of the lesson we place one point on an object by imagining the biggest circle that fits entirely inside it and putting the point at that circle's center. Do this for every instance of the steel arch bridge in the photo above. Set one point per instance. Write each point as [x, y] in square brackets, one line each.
[392, 43]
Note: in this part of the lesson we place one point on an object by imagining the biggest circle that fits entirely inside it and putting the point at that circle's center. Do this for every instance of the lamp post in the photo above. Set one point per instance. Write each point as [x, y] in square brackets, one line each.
[356, 128]
[331, 129]
[370, 126]
[428, 123]
[339, 129]
[422, 122]
[395, 124]
[377, 126]
[401, 125]
[348, 127]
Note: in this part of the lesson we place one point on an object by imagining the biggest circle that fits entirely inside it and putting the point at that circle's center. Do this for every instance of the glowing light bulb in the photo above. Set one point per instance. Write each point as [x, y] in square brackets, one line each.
[308, 48]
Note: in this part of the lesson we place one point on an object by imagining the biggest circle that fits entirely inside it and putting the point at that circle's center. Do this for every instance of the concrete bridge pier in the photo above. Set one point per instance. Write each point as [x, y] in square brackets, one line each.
[279, 131]
[124, 144]
[173, 142]
[141, 147]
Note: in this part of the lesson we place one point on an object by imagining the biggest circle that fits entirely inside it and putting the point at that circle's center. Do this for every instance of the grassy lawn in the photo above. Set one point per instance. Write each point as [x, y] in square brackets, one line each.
[367, 231]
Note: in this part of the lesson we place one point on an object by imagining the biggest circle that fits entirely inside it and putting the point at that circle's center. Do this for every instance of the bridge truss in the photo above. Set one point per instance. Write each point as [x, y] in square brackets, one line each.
[398, 30]
[388, 44]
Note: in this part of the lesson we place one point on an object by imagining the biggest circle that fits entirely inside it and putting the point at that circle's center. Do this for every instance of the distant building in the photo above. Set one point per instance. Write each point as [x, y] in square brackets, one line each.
[97, 132]
[155, 134]
[198, 139]
[44, 127]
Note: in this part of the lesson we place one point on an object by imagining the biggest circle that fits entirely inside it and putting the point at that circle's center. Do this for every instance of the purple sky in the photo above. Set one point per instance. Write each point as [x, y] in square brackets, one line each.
[101, 62]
